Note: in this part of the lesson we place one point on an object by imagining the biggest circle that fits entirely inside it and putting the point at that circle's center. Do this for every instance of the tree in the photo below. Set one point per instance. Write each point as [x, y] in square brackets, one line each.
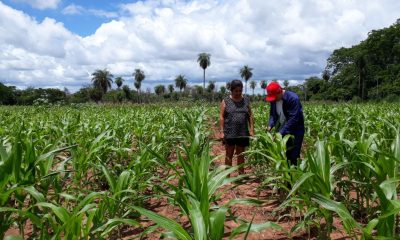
[367, 70]
[139, 77]
[325, 75]
[127, 91]
[253, 85]
[137, 86]
[361, 65]
[199, 90]
[222, 89]
[180, 82]
[204, 61]
[211, 88]
[95, 94]
[263, 84]
[246, 74]
[7, 95]
[119, 81]
[171, 88]
[228, 86]
[159, 89]
[102, 80]
[81, 96]
[286, 83]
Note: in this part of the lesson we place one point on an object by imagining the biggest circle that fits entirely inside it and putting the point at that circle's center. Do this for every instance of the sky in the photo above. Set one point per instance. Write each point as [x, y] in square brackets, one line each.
[59, 43]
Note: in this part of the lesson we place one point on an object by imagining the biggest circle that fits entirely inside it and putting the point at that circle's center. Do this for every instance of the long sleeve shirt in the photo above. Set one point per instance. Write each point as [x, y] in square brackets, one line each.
[293, 112]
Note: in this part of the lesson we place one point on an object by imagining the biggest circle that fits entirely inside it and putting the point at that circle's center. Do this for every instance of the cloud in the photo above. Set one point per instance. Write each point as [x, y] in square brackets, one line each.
[41, 4]
[74, 9]
[279, 40]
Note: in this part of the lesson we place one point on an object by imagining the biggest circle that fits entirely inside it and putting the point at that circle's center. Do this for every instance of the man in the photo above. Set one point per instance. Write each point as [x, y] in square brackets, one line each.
[286, 114]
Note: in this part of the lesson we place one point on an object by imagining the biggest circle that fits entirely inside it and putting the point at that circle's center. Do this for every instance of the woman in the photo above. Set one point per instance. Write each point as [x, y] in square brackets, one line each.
[236, 124]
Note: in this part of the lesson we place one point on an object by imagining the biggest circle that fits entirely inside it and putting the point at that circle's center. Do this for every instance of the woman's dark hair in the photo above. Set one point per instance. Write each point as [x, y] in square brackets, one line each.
[235, 84]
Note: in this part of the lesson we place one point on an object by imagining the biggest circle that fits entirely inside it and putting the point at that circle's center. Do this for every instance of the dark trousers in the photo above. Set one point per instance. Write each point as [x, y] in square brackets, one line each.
[293, 148]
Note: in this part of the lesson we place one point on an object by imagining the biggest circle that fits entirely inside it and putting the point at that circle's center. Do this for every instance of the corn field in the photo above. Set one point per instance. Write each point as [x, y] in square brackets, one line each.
[89, 172]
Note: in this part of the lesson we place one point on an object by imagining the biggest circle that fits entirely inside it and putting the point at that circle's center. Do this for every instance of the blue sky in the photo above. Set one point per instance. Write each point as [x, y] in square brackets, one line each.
[92, 13]
[59, 43]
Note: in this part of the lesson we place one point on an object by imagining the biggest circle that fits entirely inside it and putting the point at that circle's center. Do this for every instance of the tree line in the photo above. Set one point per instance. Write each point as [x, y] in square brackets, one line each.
[367, 71]
[101, 89]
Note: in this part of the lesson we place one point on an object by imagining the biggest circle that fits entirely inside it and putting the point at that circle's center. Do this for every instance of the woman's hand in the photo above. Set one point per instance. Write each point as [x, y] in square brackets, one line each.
[220, 135]
[251, 132]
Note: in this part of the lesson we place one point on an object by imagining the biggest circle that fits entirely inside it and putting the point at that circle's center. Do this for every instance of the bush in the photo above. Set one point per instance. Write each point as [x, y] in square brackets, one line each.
[95, 94]
[391, 98]
[356, 99]
[115, 96]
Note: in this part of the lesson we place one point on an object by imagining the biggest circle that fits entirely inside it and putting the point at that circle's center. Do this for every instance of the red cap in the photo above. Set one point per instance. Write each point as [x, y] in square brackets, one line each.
[273, 90]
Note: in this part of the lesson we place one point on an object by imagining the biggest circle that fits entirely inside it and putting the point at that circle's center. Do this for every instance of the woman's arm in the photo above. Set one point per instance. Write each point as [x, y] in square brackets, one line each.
[251, 122]
[221, 119]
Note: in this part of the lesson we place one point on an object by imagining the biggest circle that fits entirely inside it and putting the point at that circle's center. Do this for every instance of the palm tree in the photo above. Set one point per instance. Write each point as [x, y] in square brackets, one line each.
[119, 81]
[286, 83]
[263, 85]
[139, 77]
[222, 89]
[246, 74]
[204, 62]
[159, 89]
[102, 80]
[180, 82]
[253, 85]
[211, 88]
[171, 88]
[127, 91]
[137, 85]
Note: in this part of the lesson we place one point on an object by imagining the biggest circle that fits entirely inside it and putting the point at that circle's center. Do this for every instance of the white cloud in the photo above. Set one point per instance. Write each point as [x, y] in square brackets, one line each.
[73, 9]
[41, 4]
[282, 40]
[102, 13]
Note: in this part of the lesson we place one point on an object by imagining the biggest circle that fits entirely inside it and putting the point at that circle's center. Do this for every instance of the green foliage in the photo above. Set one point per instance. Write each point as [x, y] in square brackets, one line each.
[369, 70]
[7, 95]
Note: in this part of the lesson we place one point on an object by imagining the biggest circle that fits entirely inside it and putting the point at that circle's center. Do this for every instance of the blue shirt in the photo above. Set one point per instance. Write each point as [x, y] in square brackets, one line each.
[293, 112]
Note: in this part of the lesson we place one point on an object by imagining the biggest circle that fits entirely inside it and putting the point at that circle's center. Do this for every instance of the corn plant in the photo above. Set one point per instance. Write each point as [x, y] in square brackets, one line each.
[196, 190]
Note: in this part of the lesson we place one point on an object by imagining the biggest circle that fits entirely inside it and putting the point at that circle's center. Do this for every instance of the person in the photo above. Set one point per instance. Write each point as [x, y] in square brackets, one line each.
[286, 115]
[236, 124]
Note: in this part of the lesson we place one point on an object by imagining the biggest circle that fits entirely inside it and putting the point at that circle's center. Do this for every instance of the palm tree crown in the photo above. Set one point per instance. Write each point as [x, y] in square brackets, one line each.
[253, 85]
[139, 77]
[119, 81]
[204, 61]
[102, 79]
[180, 82]
[246, 74]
